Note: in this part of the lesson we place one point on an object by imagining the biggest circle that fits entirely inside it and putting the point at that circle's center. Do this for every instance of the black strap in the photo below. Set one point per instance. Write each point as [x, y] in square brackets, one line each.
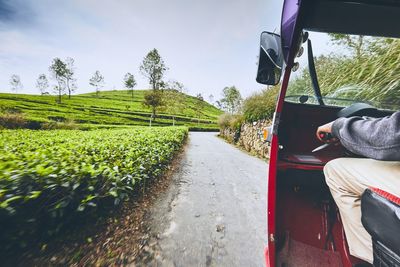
[313, 74]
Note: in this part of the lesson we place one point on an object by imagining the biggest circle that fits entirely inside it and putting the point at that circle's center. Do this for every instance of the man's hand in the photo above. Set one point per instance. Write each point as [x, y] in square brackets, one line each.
[326, 128]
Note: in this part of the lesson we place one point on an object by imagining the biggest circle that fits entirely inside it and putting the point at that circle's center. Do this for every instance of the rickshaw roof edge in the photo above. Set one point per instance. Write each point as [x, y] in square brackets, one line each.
[361, 17]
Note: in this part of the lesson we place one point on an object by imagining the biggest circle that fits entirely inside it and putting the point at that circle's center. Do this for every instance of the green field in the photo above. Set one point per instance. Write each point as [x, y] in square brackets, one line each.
[109, 109]
[48, 178]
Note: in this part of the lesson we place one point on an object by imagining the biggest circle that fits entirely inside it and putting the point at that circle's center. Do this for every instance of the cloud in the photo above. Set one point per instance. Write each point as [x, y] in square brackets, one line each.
[7, 12]
[14, 13]
[206, 44]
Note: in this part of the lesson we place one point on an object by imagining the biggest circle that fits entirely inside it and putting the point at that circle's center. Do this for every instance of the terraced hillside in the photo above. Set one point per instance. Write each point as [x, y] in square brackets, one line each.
[109, 109]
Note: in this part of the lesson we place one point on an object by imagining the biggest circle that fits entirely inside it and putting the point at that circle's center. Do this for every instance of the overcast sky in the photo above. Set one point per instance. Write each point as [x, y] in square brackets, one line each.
[206, 44]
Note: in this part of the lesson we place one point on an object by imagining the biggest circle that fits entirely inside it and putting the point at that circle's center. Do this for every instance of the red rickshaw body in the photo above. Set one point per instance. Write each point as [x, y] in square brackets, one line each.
[303, 222]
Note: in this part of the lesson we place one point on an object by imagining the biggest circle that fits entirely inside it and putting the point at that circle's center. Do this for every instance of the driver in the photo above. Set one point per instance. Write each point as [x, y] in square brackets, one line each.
[377, 139]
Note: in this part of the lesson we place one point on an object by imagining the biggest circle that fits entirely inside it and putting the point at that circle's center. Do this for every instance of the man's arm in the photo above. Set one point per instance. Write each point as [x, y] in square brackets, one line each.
[373, 138]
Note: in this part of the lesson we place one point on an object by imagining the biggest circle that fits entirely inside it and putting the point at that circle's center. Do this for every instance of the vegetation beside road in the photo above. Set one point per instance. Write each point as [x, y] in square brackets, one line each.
[370, 72]
[258, 106]
[50, 179]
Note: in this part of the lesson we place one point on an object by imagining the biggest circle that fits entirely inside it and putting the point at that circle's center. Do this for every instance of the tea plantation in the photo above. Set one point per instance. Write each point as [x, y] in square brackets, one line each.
[110, 109]
[48, 178]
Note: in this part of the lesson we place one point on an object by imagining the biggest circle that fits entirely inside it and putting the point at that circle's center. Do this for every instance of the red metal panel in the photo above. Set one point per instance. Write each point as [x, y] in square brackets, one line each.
[282, 165]
[271, 195]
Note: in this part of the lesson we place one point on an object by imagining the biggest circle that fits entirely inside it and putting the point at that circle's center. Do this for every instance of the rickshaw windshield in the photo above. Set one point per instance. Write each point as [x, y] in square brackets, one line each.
[350, 68]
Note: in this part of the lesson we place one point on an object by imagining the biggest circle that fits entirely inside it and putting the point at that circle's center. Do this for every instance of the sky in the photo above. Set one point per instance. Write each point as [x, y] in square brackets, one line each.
[206, 44]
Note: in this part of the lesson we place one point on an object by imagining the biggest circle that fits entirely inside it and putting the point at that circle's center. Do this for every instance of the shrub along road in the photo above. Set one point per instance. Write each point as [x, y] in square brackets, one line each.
[214, 212]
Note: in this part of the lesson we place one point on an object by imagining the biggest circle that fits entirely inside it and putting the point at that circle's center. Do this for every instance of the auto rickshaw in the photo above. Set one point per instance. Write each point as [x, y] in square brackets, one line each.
[304, 225]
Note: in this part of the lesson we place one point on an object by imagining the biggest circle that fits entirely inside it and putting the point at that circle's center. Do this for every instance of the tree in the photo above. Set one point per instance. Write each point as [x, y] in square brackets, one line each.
[211, 99]
[58, 70]
[176, 86]
[130, 83]
[153, 68]
[199, 106]
[15, 82]
[42, 84]
[370, 78]
[97, 81]
[358, 44]
[174, 103]
[153, 99]
[70, 80]
[231, 99]
[219, 104]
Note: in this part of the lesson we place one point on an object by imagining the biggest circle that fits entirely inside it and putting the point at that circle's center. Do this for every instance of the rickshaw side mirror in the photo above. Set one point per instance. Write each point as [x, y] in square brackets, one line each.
[270, 61]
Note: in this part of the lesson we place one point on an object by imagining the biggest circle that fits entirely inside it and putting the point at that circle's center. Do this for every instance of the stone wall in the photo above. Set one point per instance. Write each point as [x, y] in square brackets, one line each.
[250, 137]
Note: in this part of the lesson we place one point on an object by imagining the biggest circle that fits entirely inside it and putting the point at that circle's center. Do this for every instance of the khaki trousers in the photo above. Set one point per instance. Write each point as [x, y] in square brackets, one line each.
[347, 179]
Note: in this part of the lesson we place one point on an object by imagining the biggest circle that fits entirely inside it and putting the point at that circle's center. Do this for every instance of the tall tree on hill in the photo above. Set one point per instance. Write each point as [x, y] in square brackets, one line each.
[58, 70]
[15, 82]
[97, 81]
[130, 82]
[153, 68]
[70, 80]
[42, 84]
[231, 99]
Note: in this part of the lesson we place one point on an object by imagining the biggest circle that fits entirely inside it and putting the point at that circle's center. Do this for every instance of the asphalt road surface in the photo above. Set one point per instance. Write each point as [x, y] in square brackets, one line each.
[214, 212]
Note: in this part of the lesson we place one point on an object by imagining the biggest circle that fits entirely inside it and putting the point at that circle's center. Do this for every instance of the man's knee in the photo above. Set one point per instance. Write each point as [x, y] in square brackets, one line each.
[332, 172]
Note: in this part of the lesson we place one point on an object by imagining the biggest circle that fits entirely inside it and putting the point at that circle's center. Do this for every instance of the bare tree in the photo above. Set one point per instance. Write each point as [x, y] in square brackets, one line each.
[42, 84]
[70, 81]
[97, 81]
[177, 86]
[15, 82]
[130, 82]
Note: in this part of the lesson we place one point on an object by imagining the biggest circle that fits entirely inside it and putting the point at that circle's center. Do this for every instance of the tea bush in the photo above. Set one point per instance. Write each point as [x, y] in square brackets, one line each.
[48, 177]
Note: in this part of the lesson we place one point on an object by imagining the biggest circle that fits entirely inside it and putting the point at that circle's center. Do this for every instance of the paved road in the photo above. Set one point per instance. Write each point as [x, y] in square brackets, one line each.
[214, 213]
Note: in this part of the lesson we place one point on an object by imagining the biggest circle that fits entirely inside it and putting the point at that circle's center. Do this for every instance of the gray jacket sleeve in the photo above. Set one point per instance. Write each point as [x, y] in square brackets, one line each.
[377, 138]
